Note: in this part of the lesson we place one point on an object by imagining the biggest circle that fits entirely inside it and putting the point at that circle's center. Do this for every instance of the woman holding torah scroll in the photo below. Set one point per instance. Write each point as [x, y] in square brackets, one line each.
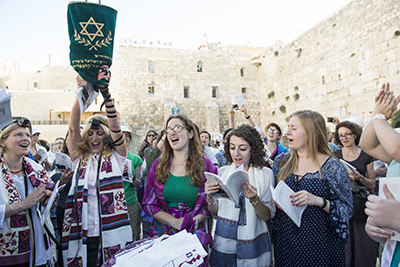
[241, 235]
[174, 194]
[96, 223]
[319, 181]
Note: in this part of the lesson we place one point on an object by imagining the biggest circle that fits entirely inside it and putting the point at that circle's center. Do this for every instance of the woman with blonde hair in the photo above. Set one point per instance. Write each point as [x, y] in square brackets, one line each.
[174, 195]
[319, 181]
[24, 185]
[96, 222]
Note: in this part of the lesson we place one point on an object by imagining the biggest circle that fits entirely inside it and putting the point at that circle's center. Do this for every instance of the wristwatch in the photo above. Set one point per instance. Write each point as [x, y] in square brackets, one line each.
[255, 202]
[379, 117]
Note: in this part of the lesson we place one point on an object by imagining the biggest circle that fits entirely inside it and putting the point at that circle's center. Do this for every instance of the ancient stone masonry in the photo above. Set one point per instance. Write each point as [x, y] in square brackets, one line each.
[335, 68]
[146, 96]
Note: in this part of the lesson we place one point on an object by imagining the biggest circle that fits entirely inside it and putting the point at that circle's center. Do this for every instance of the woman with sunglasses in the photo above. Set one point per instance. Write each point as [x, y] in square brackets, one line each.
[273, 134]
[174, 194]
[24, 186]
[361, 249]
[96, 222]
[147, 142]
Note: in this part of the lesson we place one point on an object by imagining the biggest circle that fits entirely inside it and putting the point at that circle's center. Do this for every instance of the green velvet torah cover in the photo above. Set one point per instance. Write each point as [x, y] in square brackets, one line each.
[91, 29]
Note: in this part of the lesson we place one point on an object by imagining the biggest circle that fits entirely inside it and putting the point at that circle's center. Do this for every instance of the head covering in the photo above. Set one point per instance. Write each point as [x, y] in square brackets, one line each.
[134, 138]
[35, 131]
[91, 29]
[357, 120]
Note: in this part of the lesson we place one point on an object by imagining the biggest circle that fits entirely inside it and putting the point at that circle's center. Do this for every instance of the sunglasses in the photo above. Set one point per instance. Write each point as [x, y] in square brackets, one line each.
[20, 121]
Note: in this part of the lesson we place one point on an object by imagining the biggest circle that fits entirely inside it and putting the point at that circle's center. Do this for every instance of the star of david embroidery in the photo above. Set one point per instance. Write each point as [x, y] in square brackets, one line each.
[98, 26]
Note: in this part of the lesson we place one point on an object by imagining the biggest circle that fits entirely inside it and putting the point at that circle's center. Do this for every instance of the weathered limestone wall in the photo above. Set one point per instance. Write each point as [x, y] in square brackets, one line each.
[342, 62]
[175, 69]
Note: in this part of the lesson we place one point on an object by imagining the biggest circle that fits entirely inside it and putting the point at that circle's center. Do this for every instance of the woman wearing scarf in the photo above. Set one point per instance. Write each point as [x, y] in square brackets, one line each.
[174, 194]
[24, 185]
[241, 235]
[96, 222]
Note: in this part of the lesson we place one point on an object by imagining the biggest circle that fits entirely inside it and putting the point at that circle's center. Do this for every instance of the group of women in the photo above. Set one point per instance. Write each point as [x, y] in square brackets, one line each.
[178, 197]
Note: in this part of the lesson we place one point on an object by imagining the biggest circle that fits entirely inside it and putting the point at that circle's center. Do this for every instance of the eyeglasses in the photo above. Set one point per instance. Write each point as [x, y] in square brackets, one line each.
[176, 129]
[273, 131]
[151, 135]
[21, 121]
[345, 136]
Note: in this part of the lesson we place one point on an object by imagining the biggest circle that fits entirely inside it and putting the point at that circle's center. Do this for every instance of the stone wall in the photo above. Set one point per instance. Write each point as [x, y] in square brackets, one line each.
[335, 67]
[175, 69]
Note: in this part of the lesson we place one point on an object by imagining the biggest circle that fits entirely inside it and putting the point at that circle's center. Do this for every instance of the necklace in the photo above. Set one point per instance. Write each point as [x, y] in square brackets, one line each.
[17, 171]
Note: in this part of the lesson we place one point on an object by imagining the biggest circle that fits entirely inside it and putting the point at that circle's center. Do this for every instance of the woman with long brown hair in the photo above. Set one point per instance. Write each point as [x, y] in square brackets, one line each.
[174, 194]
[319, 181]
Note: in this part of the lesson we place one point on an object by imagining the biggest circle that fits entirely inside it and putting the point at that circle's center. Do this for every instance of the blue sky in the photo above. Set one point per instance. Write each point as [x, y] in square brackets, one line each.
[30, 30]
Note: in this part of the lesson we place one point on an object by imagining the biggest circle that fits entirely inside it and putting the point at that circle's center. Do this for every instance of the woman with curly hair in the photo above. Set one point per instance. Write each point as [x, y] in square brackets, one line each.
[319, 181]
[96, 222]
[241, 235]
[174, 194]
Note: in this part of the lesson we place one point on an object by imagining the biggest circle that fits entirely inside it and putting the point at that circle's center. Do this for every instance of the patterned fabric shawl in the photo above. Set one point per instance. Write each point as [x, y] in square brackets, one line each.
[15, 236]
[114, 222]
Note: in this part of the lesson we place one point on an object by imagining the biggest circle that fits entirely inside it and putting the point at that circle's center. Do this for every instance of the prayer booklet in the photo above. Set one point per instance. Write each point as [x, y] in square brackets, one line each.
[393, 184]
[281, 195]
[62, 162]
[232, 187]
[42, 153]
[348, 166]
[86, 97]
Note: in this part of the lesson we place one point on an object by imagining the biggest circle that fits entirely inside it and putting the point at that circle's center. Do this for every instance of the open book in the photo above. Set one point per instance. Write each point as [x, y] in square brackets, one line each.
[232, 187]
[63, 161]
[281, 195]
[393, 184]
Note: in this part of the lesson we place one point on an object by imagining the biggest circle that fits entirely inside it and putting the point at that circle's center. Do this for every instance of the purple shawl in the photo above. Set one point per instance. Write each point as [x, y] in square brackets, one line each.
[154, 202]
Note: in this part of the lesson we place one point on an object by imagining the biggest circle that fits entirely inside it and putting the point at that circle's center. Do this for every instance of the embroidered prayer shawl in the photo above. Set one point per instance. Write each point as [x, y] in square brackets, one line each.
[15, 236]
[243, 241]
[114, 221]
[154, 202]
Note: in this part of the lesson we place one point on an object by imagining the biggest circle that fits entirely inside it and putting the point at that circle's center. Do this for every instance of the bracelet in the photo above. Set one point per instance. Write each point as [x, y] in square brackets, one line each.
[212, 204]
[325, 203]
[12, 211]
[248, 117]
[361, 179]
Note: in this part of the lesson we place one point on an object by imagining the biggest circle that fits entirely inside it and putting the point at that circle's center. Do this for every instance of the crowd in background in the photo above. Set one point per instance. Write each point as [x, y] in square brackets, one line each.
[122, 191]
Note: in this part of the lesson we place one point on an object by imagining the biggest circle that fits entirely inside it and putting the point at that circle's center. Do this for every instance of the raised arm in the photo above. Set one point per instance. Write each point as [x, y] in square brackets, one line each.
[243, 109]
[112, 117]
[231, 118]
[379, 139]
[74, 134]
